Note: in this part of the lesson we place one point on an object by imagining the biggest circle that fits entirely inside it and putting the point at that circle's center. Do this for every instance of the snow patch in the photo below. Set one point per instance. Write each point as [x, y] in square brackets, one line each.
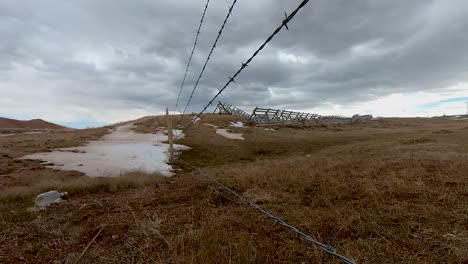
[211, 125]
[119, 152]
[270, 129]
[225, 133]
[176, 133]
[237, 124]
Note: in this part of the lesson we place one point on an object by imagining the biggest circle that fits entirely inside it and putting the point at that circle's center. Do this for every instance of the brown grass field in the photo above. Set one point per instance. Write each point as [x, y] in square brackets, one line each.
[385, 191]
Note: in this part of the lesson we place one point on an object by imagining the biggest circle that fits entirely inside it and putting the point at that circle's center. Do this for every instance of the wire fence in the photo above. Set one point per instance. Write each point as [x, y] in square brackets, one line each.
[191, 55]
[208, 58]
[244, 65]
[327, 248]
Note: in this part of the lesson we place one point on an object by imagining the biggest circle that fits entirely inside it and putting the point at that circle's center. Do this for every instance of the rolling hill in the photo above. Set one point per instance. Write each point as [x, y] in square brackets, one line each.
[7, 123]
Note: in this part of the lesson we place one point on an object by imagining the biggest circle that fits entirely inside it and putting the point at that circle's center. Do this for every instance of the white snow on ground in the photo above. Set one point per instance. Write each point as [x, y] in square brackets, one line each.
[270, 129]
[176, 133]
[195, 119]
[225, 133]
[121, 151]
[237, 124]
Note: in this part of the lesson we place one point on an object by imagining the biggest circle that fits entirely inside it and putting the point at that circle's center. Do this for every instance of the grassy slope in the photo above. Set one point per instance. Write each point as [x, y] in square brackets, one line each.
[390, 191]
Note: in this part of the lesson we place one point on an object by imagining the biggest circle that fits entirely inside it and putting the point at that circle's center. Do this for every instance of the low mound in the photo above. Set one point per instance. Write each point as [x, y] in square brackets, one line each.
[30, 124]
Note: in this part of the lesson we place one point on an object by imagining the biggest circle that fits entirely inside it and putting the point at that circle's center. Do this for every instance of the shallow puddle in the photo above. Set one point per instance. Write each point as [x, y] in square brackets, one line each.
[119, 152]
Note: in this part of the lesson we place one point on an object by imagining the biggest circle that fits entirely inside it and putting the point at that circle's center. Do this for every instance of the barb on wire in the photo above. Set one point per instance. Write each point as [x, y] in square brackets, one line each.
[191, 55]
[244, 65]
[277, 220]
[208, 58]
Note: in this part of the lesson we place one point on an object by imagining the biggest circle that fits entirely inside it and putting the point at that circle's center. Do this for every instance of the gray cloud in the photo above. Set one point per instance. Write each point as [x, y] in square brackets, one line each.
[131, 55]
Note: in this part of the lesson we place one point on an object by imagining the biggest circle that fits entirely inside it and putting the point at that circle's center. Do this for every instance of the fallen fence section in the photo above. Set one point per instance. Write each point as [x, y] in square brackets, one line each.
[275, 116]
[327, 248]
[230, 110]
[268, 116]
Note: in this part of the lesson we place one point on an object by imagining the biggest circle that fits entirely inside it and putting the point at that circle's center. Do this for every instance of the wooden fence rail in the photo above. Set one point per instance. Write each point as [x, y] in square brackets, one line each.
[268, 115]
[230, 110]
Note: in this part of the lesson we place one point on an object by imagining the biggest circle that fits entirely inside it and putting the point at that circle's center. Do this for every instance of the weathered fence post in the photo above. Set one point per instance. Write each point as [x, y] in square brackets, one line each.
[170, 136]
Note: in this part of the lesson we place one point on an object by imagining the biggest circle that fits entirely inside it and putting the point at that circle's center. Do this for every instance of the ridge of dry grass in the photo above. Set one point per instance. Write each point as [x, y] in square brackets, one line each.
[26, 185]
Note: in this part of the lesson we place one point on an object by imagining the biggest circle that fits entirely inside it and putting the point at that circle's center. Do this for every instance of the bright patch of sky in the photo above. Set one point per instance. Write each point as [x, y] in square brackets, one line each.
[418, 104]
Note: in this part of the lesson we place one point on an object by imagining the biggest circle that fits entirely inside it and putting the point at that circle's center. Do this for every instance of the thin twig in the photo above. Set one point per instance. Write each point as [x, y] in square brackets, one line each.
[89, 244]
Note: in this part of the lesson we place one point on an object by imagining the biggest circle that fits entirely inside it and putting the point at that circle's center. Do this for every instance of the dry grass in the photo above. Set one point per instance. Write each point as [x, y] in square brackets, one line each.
[25, 185]
[389, 191]
[400, 200]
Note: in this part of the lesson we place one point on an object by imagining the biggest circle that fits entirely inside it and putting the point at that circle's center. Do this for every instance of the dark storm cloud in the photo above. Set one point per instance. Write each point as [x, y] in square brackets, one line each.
[132, 54]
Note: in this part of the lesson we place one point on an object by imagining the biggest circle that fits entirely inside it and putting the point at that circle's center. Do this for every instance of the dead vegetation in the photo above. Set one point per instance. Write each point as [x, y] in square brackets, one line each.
[26, 185]
[389, 191]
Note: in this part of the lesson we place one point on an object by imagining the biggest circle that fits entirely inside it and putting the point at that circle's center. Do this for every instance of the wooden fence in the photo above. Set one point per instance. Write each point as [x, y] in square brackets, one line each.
[276, 116]
[230, 110]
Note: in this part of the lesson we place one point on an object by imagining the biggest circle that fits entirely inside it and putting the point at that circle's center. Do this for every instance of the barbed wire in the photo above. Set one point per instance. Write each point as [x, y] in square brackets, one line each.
[207, 59]
[191, 55]
[327, 248]
[244, 65]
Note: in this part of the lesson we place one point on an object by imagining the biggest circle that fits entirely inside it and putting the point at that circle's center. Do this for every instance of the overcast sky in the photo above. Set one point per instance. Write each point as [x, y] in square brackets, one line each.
[86, 62]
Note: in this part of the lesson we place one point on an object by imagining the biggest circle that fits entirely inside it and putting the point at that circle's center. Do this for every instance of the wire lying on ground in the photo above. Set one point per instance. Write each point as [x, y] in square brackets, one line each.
[326, 248]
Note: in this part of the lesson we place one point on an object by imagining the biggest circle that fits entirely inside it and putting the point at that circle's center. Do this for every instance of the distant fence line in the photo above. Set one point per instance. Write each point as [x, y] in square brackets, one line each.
[277, 116]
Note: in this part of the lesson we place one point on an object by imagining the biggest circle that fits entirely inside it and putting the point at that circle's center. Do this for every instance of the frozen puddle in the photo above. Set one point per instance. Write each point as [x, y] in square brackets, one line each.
[121, 151]
[225, 133]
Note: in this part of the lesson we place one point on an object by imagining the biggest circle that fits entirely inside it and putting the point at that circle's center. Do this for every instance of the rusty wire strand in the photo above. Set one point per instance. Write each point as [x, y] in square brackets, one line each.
[191, 55]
